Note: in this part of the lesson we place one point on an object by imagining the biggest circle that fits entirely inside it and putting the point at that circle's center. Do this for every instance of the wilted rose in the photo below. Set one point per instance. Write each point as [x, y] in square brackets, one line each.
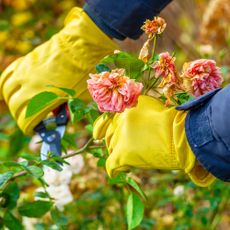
[165, 69]
[155, 26]
[113, 91]
[201, 76]
[165, 65]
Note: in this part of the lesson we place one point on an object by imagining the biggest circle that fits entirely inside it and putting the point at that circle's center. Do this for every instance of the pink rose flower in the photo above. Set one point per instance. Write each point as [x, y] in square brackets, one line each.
[201, 76]
[165, 66]
[113, 91]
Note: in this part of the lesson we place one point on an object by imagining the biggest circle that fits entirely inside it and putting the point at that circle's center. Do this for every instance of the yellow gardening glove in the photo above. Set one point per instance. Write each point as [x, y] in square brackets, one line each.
[63, 61]
[149, 136]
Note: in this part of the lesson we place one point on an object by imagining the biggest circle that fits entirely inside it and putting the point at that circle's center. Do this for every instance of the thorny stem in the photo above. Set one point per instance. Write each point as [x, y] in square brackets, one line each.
[79, 151]
[154, 46]
[153, 53]
[150, 85]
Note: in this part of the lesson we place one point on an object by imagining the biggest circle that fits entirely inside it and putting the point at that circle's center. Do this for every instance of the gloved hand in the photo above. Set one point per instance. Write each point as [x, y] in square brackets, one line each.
[63, 61]
[149, 136]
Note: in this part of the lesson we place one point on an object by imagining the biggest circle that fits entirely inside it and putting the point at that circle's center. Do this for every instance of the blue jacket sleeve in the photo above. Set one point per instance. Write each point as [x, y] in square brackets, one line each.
[121, 19]
[207, 128]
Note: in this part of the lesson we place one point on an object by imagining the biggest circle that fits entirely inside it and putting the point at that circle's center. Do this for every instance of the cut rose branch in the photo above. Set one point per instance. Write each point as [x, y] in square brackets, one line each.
[117, 89]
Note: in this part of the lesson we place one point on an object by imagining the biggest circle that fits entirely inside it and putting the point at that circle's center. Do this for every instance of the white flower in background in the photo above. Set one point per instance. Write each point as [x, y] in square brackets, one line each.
[59, 182]
[56, 178]
[76, 163]
[178, 190]
[61, 194]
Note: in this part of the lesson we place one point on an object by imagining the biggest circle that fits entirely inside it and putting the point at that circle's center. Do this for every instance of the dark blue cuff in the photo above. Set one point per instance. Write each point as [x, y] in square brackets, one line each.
[207, 129]
[121, 19]
[102, 25]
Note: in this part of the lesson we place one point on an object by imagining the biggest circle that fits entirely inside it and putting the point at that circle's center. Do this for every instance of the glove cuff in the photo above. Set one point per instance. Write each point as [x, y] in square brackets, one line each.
[200, 176]
[186, 157]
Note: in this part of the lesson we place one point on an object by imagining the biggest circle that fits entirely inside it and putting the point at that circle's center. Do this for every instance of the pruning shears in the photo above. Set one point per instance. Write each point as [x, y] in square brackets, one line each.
[52, 137]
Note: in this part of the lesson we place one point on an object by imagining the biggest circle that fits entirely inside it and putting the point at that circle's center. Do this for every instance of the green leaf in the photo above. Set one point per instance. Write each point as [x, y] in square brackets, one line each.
[92, 115]
[12, 194]
[39, 102]
[101, 162]
[102, 68]
[11, 222]
[183, 97]
[42, 195]
[76, 108]
[70, 92]
[35, 209]
[98, 152]
[52, 164]
[35, 171]
[135, 211]
[11, 164]
[58, 218]
[119, 179]
[5, 177]
[42, 181]
[130, 63]
[89, 128]
[29, 157]
[58, 160]
[23, 163]
[134, 185]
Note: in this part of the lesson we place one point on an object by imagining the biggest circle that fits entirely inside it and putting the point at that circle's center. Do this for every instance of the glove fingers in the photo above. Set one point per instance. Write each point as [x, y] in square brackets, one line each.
[11, 87]
[5, 76]
[109, 136]
[7, 82]
[113, 166]
[100, 126]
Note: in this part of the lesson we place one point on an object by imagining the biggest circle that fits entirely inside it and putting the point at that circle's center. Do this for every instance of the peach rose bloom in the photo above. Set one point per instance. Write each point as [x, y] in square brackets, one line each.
[201, 76]
[113, 91]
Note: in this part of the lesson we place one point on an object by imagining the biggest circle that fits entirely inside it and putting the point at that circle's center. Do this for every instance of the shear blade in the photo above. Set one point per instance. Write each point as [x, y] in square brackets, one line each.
[45, 149]
[61, 130]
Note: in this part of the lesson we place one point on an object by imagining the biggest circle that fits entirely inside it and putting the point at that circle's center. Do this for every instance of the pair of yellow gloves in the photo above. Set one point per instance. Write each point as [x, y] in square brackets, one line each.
[147, 136]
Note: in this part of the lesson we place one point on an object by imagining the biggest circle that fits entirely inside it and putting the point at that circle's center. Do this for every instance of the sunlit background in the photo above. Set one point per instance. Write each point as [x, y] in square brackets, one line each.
[195, 29]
